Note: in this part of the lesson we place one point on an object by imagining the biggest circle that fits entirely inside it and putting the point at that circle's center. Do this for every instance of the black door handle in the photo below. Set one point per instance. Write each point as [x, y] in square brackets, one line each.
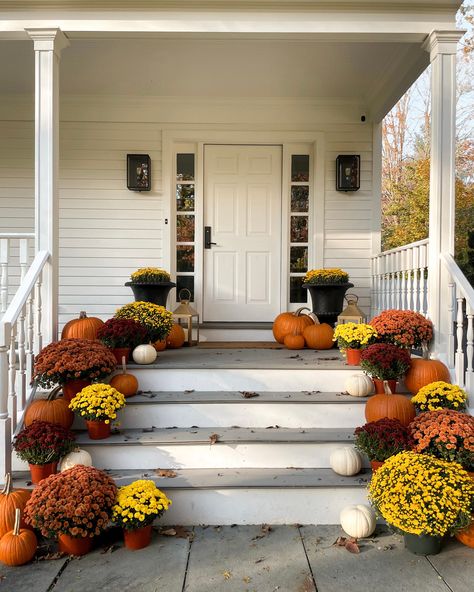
[207, 237]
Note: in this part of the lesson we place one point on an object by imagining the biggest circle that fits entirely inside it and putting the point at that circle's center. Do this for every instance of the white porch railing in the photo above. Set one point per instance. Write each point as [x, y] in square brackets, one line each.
[20, 339]
[399, 278]
[15, 256]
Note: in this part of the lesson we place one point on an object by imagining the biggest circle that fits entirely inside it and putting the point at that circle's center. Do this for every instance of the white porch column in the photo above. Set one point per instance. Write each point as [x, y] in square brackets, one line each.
[48, 44]
[442, 48]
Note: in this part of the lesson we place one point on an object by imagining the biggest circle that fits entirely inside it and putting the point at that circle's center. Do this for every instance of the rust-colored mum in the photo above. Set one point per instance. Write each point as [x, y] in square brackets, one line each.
[404, 328]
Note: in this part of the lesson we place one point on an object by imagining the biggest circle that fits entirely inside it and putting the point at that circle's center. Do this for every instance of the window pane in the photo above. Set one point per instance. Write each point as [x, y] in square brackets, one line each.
[185, 198]
[297, 293]
[300, 168]
[299, 199]
[185, 167]
[299, 229]
[185, 229]
[184, 258]
[184, 281]
[298, 259]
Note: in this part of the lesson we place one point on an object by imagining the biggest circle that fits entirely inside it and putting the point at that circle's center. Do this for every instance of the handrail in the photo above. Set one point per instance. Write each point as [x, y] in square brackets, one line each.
[12, 235]
[419, 243]
[458, 277]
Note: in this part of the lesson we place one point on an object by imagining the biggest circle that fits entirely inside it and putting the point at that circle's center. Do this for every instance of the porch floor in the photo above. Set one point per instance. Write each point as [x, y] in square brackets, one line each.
[248, 559]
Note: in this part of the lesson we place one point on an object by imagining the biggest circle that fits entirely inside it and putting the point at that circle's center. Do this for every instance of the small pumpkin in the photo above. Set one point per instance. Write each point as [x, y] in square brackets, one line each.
[358, 521]
[10, 499]
[346, 461]
[176, 337]
[291, 322]
[293, 341]
[160, 345]
[466, 535]
[144, 354]
[18, 546]
[424, 371]
[319, 336]
[359, 385]
[125, 383]
[52, 409]
[390, 405]
[82, 328]
[76, 457]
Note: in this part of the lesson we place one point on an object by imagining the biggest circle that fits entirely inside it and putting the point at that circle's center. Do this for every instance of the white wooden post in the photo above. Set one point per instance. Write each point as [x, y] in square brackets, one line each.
[441, 46]
[48, 44]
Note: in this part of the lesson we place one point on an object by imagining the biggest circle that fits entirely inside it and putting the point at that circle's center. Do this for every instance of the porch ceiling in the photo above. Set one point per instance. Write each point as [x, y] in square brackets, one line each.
[373, 74]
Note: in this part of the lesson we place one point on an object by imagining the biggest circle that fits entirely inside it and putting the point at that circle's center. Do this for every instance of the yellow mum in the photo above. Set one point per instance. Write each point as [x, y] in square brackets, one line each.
[98, 402]
[138, 504]
[332, 275]
[354, 335]
[440, 395]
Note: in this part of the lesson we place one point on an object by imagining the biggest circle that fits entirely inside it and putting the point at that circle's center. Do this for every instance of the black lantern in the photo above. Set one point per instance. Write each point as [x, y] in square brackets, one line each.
[138, 172]
[348, 172]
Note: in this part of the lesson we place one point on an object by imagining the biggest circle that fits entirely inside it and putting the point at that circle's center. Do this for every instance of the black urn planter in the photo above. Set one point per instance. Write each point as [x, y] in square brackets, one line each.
[155, 293]
[422, 544]
[328, 300]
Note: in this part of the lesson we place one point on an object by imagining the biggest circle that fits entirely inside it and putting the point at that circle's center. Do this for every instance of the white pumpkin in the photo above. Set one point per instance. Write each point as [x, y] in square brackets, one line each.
[358, 521]
[144, 354]
[359, 385]
[346, 461]
[76, 457]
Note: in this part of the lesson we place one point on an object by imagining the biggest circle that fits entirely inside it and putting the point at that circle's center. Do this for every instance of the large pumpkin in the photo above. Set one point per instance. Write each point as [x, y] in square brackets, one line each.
[293, 341]
[125, 383]
[82, 328]
[424, 371]
[18, 546]
[51, 409]
[319, 336]
[392, 406]
[175, 337]
[291, 322]
[10, 499]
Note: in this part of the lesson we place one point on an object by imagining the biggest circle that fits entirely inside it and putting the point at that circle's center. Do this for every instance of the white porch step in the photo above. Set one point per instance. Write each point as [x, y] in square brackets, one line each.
[306, 409]
[191, 448]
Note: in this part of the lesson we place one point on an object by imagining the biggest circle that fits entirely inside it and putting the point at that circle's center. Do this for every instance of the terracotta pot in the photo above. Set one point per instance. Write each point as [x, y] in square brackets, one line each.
[422, 544]
[353, 357]
[120, 352]
[379, 387]
[72, 387]
[39, 472]
[138, 538]
[375, 465]
[74, 545]
[98, 430]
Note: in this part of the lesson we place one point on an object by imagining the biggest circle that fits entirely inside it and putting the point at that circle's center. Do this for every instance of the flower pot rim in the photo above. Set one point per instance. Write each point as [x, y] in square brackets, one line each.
[312, 285]
[172, 284]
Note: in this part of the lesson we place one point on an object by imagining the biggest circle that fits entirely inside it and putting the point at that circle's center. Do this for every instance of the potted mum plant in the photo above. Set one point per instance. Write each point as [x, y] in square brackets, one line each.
[151, 284]
[98, 405]
[352, 338]
[445, 434]
[440, 395]
[73, 364]
[74, 506]
[121, 336]
[404, 328]
[381, 439]
[156, 319]
[41, 445]
[327, 288]
[385, 364]
[422, 497]
[137, 506]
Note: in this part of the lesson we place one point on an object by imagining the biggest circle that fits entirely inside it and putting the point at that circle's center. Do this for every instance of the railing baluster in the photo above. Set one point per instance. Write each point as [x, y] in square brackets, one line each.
[39, 305]
[30, 337]
[459, 336]
[469, 380]
[416, 282]
[12, 401]
[5, 420]
[21, 377]
[404, 280]
[4, 252]
[452, 316]
[423, 280]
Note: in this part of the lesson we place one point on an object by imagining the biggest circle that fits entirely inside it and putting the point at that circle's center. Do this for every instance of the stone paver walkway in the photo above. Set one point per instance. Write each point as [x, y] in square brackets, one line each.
[249, 559]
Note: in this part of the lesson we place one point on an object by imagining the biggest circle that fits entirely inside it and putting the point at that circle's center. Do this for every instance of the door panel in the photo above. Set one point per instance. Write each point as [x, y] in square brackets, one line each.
[242, 204]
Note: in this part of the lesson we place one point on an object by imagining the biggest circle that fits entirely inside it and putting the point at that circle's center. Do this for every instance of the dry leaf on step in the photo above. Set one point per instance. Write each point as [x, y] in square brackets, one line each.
[168, 532]
[249, 394]
[264, 530]
[352, 546]
[227, 575]
[166, 473]
[189, 391]
[213, 438]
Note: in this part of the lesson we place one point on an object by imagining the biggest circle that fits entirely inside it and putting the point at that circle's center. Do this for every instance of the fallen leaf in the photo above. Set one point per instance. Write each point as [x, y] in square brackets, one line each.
[308, 585]
[109, 549]
[189, 391]
[294, 357]
[166, 473]
[260, 560]
[352, 546]
[264, 530]
[182, 533]
[311, 392]
[51, 556]
[340, 542]
[214, 438]
[246, 579]
[272, 427]
[227, 575]
[168, 532]
[249, 394]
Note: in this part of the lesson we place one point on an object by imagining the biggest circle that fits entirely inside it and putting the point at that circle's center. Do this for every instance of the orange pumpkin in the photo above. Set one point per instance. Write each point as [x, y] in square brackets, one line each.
[125, 383]
[319, 336]
[160, 345]
[424, 371]
[390, 405]
[18, 546]
[51, 409]
[10, 499]
[291, 322]
[466, 535]
[175, 337]
[82, 328]
[293, 341]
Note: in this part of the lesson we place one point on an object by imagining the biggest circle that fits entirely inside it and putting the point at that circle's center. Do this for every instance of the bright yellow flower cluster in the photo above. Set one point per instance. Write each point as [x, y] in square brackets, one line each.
[150, 275]
[333, 275]
[420, 494]
[354, 335]
[157, 320]
[98, 402]
[440, 395]
[138, 504]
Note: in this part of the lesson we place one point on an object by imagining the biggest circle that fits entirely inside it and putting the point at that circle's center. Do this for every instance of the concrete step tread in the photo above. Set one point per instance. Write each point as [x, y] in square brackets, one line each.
[290, 477]
[228, 435]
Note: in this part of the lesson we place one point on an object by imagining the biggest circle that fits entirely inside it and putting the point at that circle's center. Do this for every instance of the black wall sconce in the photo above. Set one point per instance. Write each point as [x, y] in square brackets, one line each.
[348, 172]
[138, 172]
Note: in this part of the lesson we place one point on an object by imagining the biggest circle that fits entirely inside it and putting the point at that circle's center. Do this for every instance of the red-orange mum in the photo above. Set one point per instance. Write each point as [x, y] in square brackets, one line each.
[404, 328]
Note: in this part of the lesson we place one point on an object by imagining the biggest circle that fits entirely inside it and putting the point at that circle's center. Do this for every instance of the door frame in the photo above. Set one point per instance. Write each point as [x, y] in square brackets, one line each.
[174, 141]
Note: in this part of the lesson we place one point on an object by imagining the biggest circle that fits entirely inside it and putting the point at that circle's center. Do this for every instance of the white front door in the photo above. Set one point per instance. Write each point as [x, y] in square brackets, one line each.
[242, 207]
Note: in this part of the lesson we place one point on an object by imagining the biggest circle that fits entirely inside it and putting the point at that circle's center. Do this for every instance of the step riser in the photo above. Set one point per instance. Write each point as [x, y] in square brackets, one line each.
[227, 335]
[242, 379]
[256, 506]
[195, 456]
[183, 415]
